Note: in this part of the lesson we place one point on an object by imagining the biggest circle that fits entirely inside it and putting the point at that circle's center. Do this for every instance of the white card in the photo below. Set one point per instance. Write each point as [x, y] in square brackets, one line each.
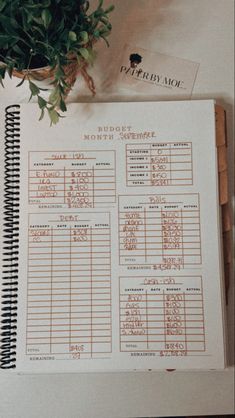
[156, 74]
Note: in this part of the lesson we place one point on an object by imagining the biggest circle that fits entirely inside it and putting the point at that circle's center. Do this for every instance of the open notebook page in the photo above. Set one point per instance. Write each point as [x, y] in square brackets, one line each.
[120, 252]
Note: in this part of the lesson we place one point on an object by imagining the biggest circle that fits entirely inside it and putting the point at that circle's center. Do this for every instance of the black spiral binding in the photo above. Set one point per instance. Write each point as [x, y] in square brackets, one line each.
[10, 239]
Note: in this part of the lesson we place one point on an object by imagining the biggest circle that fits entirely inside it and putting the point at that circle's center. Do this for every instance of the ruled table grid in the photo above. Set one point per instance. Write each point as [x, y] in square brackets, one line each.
[85, 179]
[69, 286]
[162, 314]
[162, 230]
[159, 164]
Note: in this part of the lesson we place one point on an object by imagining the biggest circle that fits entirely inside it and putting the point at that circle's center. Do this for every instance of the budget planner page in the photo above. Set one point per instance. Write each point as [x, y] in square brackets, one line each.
[120, 265]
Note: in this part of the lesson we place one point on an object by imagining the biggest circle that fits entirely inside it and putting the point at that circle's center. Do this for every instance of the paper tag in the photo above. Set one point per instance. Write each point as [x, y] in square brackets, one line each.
[156, 74]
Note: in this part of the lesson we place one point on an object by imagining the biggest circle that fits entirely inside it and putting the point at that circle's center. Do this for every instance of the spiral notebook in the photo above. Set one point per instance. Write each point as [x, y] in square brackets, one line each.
[112, 246]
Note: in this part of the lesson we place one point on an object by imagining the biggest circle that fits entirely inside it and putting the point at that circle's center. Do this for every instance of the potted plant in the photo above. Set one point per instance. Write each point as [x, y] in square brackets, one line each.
[50, 39]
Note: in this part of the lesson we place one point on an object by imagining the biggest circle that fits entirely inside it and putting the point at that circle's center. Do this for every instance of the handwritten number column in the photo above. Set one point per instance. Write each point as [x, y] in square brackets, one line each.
[81, 292]
[175, 323]
[160, 164]
[172, 237]
[79, 188]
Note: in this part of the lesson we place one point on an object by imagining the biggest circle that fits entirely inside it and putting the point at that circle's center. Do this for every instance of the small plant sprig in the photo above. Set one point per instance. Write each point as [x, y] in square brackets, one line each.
[57, 34]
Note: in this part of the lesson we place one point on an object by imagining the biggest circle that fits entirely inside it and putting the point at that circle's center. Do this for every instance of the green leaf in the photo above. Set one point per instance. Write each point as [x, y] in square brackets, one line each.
[2, 4]
[54, 116]
[4, 39]
[63, 105]
[96, 34]
[60, 25]
[27, 18]
[46, 17]
[41, 102]
[92, 56]
[2, 71]
[110, 9]
[1, 81]
[34, 89]
[17, 50]
[39, 30]
[10, 70]
[38, 20]
[42, 114]
[59, 73]
[84, 53]
[54, 96]
[38, 5]
[84, 36]
[72, 36]
[9, 25]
